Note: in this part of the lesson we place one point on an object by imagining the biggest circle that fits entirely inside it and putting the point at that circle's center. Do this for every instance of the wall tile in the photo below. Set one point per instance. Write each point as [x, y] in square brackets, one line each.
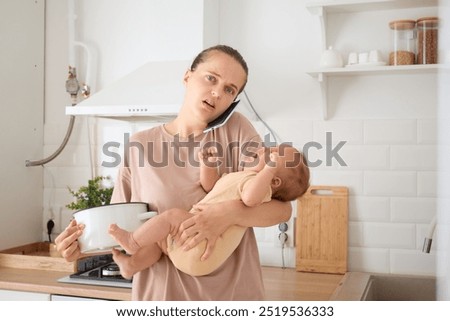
[359, 157]
[368, 260]
[369, 209]
[57, 198]
[260, 234]
[390, 183]
[321, 157]
[413, 210]
[390, 131]
[54, 133]
[352, 179]
[414, 157]
[72, 155]
[113, 133]
[296, 131]
[61, 177]
[350, 132]
[426, 131]
[412, 262]
[273, 256]
[427, 184]
[389, 235]
[355, 234]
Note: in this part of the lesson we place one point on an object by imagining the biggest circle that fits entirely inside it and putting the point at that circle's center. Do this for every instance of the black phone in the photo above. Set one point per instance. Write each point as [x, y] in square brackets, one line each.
[222, 119]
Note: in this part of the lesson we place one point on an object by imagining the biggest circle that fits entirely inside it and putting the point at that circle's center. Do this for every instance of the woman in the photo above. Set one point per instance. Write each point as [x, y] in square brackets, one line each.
[169, 178]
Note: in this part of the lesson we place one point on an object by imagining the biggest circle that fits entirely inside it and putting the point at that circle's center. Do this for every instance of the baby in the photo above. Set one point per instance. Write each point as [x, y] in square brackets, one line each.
[285, 177]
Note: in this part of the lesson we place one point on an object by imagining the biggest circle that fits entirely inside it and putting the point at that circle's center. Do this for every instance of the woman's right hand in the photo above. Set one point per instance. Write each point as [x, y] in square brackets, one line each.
[66, 242]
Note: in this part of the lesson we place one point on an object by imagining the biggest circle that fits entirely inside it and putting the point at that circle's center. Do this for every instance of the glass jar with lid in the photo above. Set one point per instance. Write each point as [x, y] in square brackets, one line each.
[427, 40]
[403, 42]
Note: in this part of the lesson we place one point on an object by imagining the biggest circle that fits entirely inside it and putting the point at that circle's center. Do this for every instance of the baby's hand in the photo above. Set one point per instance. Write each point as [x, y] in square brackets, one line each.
[208, 155]
[274, 157]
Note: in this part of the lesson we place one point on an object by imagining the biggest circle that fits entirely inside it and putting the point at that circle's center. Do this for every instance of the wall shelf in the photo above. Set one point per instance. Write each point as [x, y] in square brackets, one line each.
[331, 6]
[322, 8]
[370, 70]
[322, 75]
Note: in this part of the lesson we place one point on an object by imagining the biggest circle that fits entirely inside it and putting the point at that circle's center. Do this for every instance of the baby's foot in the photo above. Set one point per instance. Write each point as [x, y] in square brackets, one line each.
[123, 261]
[124, 238]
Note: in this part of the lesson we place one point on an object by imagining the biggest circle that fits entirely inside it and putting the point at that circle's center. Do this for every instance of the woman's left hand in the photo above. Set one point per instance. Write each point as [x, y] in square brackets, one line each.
[208, 223]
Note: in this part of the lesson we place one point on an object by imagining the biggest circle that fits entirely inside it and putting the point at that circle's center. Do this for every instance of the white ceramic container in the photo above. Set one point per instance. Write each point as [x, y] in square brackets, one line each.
[95, 237]
[331, 58]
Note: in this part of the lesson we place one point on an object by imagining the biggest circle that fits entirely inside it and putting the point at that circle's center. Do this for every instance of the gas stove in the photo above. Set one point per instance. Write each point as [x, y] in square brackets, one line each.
[98, 270]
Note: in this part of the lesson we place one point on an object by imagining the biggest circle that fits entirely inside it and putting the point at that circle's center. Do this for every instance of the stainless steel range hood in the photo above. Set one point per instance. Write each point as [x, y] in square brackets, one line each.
[153, 90]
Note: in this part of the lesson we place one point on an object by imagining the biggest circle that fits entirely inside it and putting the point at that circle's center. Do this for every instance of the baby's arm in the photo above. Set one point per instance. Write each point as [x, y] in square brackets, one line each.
[209, 173]
[256, 189]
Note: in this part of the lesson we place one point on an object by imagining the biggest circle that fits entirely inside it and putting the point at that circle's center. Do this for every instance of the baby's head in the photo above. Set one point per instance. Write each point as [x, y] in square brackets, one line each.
[293, 174]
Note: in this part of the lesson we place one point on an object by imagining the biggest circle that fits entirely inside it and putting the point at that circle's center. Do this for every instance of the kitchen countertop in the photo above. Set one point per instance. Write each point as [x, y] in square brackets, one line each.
[47, 282]
[281, 284]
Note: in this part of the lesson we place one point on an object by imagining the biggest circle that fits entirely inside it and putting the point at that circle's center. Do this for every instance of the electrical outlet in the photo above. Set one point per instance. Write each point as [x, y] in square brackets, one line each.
[287, 228]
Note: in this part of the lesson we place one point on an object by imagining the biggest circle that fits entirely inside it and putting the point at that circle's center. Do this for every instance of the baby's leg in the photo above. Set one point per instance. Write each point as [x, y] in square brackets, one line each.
[124, 238]
[154, 230]
[143, 258]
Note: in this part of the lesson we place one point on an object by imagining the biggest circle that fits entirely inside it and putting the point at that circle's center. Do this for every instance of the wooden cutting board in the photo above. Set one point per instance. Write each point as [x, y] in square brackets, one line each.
[322, 230]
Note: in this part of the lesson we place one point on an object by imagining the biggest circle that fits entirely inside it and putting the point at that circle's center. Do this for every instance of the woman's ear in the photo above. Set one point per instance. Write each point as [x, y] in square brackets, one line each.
[276, 182]
[187, 74]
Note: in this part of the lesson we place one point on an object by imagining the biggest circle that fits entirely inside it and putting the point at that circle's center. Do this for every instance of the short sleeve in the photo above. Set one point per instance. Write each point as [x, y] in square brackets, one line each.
[122, 186]
[244, 183]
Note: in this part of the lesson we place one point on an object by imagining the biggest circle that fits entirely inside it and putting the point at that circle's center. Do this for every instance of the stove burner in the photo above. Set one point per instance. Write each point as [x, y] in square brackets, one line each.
[111, 270]
[100, 269]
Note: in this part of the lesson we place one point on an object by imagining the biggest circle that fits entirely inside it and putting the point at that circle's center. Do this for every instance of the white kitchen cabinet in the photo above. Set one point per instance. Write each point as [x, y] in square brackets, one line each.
[55, 297]
[322, 9]
[9, 295]
[22, 46]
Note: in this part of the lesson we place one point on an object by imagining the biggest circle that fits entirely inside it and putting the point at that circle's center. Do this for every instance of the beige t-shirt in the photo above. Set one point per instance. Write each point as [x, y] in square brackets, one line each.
[228, 187]
[161, 171]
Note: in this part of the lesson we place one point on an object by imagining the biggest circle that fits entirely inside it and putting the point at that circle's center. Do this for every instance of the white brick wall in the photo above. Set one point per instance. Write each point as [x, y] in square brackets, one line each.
[391, 175]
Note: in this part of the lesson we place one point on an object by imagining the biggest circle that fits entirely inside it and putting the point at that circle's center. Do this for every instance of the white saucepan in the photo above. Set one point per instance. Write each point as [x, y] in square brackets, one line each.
[95, 237]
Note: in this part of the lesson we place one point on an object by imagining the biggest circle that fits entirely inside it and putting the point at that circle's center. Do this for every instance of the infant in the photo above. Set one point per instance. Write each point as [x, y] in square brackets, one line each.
[269, 173]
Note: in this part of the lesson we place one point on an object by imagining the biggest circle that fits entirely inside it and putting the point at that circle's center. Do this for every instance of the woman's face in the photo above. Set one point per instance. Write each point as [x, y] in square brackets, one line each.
[213, 86]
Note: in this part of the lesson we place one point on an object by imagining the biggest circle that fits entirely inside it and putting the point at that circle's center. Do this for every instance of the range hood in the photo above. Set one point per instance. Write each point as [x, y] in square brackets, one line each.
[153, 90]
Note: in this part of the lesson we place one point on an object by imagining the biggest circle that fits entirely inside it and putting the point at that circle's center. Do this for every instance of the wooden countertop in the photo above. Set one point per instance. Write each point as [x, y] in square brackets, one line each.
[290, 285]
[280, 284]
[47, 282]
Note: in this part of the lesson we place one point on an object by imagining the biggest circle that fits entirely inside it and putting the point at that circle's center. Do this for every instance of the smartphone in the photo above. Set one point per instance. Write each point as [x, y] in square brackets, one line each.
[222, 119]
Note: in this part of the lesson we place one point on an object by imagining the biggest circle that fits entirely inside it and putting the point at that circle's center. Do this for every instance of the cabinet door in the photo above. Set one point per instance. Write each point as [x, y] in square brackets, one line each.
[8, 295]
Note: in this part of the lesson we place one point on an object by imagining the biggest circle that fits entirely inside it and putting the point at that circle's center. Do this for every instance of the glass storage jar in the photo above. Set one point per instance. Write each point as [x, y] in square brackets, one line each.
[427, 40]
[403, 42]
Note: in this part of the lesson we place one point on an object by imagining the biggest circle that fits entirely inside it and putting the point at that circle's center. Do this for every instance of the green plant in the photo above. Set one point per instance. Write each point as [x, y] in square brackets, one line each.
[92, 195]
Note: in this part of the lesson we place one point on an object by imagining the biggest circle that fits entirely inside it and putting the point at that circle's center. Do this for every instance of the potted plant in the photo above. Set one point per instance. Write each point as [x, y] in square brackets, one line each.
[93, 209]
[92, 195]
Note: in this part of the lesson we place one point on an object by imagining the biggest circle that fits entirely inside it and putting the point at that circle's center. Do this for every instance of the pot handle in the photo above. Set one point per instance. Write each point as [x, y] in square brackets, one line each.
[146, 215]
